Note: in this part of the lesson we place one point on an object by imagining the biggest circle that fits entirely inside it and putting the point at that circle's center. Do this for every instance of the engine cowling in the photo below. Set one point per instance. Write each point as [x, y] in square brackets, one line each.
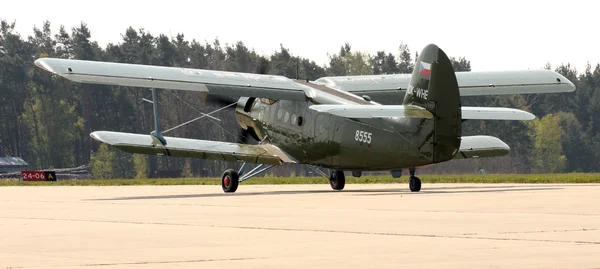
[244, 117]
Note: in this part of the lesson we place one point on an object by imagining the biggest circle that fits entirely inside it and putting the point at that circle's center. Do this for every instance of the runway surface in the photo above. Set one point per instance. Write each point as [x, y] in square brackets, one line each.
[301, 226]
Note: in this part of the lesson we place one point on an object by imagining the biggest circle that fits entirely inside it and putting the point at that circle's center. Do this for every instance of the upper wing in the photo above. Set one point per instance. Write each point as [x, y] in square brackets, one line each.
[410, 111]
[391, 88]
[380, 88]
[203, 149]
[512, 82]
[378, 111]
[148, 76]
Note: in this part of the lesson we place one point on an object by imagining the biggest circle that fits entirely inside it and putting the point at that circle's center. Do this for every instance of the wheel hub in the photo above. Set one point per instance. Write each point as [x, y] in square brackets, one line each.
[226, 181]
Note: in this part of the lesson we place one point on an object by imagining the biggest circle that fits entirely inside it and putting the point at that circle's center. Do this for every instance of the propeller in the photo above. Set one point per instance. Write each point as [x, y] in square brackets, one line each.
[224, 101]
[262, 67]
[243, 136]
[221, 100]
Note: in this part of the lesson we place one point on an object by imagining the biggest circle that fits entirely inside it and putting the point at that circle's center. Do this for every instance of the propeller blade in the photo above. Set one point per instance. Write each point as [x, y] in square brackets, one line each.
[243, 138]
[262, 66]
[222, 100]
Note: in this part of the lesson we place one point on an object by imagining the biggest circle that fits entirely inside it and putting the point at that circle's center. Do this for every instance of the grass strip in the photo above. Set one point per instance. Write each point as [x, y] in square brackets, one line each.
[490, 178]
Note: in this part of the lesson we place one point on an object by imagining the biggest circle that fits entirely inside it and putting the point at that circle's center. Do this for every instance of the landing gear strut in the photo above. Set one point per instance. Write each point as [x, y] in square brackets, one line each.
[337, 180]
[414, 183]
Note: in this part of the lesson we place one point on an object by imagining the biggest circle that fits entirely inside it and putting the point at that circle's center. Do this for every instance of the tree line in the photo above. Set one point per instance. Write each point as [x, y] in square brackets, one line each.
[47, 120]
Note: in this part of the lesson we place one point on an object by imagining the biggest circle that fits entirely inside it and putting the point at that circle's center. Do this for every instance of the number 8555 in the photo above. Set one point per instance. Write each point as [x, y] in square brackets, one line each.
[362, 136]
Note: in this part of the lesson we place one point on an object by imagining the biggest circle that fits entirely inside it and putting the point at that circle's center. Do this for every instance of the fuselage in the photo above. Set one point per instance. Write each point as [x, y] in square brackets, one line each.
[331, 141]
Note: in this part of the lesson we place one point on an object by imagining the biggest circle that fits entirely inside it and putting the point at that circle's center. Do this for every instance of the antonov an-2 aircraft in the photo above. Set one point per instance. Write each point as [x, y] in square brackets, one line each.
[334, 122]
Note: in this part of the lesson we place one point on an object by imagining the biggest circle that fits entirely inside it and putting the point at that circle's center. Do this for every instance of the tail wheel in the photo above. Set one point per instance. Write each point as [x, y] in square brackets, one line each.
[230, 180]
[414, 183]
[337, 180]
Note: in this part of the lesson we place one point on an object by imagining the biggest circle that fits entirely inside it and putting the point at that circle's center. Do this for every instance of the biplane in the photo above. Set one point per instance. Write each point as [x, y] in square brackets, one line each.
[339, 123]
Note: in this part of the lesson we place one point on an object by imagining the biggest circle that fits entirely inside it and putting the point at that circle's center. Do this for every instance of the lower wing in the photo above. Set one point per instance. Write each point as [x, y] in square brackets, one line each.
[377, 111]
[203, 149]
[411, 111]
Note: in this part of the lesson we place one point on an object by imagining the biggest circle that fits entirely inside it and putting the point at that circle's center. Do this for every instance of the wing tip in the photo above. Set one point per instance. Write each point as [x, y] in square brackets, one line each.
[528, 115]
[560, 79]
[531, 116]
[97, 136]
[42, 63]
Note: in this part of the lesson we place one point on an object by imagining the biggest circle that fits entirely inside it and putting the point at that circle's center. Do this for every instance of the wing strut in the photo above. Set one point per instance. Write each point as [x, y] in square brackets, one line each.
[156, 134]
[254, 172]
[203, 115]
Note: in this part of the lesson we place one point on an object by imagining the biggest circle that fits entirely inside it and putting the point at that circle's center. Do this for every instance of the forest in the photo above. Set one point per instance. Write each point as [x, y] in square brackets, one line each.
[47, 120]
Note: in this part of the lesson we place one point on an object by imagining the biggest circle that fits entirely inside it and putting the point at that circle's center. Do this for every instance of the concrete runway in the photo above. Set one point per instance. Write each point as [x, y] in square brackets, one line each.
[301, 226]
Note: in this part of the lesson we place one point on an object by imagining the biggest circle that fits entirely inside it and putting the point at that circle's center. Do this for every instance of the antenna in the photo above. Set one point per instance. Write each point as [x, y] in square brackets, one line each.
[297, 67]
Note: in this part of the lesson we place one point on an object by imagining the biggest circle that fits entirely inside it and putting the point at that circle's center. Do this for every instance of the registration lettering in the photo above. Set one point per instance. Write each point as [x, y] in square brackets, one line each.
[418, 92]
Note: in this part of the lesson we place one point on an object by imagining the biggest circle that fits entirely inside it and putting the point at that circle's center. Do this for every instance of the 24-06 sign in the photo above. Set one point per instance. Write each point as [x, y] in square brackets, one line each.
[38, 176]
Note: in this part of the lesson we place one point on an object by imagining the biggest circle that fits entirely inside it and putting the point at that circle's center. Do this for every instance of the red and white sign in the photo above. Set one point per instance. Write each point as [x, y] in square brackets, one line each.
[38, 176]
[33, 176]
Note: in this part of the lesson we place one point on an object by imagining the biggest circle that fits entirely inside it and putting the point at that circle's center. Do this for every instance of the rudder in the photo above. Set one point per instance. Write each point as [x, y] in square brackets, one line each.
[433, 86]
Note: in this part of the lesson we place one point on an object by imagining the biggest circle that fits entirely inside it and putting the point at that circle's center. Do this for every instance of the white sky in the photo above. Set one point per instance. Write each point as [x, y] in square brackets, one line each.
[493, 35]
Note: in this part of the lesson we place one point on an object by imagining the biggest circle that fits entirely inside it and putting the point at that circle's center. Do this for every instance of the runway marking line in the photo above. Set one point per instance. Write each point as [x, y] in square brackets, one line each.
[317, 231]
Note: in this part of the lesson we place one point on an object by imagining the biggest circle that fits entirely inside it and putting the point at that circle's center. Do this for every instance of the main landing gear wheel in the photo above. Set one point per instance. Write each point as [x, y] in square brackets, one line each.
[414, 183]
[230, 180]
[337, 180]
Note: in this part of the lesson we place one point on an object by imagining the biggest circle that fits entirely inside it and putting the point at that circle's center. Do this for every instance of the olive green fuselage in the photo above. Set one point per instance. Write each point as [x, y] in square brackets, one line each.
[331, 141]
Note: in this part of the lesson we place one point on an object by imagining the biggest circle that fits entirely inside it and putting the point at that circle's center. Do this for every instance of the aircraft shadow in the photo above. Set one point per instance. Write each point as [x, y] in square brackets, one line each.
[393, 191]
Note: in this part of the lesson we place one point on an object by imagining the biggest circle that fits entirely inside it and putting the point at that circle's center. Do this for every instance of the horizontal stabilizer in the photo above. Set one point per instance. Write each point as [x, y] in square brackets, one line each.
[479, 146]
[374, 111]
[192, 148]
[495, 113]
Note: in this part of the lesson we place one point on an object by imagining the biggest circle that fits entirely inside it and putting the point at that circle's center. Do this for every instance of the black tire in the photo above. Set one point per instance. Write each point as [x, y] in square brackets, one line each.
[337, 180]
[230, 180]
[414, 183]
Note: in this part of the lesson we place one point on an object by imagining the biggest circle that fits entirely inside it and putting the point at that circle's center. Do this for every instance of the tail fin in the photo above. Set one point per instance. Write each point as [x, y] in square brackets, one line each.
[433, 86]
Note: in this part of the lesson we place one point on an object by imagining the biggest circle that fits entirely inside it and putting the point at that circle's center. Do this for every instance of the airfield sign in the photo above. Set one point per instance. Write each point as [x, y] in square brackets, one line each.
[38, 176]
